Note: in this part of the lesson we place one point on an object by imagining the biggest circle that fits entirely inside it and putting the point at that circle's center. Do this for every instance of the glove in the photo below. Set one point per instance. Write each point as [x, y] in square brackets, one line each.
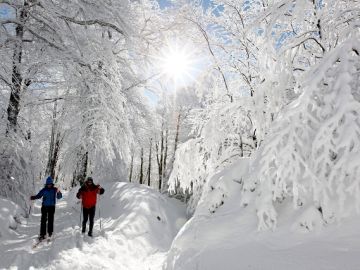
[58, 195]
[32, 198]
[78, 195]
[101, 191]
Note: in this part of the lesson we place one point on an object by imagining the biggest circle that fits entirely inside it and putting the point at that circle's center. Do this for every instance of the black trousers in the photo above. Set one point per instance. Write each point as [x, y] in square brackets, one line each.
[88, 213]
[47, 215]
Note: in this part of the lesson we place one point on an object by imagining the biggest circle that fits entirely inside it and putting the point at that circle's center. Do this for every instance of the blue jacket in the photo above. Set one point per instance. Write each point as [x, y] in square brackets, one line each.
[49, 196]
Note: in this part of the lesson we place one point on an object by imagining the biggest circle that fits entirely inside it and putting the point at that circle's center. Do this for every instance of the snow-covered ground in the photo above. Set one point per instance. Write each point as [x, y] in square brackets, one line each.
[138, 226]
[223, 233]
[229, 240]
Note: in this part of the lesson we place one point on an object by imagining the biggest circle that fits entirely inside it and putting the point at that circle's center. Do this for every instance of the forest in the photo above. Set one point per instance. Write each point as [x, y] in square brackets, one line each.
[247, 108]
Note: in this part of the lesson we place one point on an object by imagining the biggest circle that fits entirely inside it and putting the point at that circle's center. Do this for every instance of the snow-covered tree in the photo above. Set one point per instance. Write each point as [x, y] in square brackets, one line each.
[263, 49]
[310, 155]
[84, 56]
[223, 132]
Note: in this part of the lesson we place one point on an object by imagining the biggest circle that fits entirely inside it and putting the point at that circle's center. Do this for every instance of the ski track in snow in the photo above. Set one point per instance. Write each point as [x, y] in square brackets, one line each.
[132, 235]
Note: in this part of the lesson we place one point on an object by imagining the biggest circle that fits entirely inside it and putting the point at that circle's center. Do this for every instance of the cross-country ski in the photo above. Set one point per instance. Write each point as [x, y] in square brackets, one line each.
[39, 243]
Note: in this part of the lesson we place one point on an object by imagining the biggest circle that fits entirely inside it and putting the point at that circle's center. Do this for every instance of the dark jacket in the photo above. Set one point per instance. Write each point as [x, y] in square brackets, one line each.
[88, 194]
[49, 195]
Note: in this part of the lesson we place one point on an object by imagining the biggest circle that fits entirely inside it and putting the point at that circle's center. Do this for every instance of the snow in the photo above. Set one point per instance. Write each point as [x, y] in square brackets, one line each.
[223, 233]
[310, 153]
[228, 239]
[270, 170]
[295, 203]
[10, 216]
[221, 237]
[138, 226]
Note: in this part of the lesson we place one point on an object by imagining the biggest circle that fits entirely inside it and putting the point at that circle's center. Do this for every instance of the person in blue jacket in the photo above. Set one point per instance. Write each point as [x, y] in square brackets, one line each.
[49, 194]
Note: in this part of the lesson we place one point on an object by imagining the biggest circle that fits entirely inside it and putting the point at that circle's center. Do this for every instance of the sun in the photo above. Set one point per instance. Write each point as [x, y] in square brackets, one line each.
[178, 64]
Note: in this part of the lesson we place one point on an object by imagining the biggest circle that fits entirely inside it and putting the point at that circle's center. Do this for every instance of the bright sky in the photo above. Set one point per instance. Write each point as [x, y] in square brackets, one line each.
[179, 64]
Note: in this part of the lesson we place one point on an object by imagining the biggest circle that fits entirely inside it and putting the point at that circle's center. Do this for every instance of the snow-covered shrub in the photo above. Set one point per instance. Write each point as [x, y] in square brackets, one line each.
[309, 220]
[15, 168]
[225, 184]
[312, 151]
[226, 135]
[10, 216]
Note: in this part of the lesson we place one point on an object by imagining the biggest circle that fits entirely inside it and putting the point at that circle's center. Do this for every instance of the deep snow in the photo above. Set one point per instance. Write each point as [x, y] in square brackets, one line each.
[229, 240]
[223, 233]
[138, 227]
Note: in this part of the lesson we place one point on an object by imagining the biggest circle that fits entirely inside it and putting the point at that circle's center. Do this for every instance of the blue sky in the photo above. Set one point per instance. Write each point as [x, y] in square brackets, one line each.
[164, 3]
[5, 11]
[206, 4]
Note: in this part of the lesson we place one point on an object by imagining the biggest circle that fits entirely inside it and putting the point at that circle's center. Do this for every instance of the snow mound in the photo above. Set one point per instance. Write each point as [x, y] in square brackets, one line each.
[10, 217]
[228, 238]
[133, 210]
[221, 186]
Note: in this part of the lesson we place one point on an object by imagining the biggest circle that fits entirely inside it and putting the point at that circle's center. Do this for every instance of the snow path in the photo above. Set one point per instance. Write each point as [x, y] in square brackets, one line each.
[138, 223]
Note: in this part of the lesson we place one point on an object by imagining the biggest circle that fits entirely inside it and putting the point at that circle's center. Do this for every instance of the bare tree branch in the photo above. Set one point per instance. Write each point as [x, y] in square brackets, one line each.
[206, 37]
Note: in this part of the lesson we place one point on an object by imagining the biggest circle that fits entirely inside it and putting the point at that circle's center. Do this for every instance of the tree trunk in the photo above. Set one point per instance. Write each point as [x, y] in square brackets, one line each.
[160, 157]
[141, 178]
[176, 142]
[177, 134]
[131, 167]
[18, 84]
[241, 146]
[81, 170]
[54, 148]
[254, 138]
[149, 165]
[55, 155]
[164, 178]
[166, 149]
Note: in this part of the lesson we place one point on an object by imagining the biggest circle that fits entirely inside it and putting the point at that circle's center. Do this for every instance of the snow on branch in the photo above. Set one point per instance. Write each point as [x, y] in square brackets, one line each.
[311, 154]
[92, 22]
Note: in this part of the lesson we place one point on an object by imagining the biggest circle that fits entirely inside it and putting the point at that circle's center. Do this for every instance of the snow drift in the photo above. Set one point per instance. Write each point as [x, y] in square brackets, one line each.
[11, 216]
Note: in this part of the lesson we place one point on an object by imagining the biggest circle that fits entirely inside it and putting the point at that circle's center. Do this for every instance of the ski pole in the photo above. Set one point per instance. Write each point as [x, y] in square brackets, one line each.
[81, 209]
[30, 207]
[100, 213]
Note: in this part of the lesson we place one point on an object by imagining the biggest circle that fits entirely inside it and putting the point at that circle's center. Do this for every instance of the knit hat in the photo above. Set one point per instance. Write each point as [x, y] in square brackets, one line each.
[49, 181]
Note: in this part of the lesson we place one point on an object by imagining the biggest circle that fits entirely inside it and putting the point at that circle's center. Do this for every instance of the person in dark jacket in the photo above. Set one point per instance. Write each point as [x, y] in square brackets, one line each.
[88, 195]
[49, 194]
